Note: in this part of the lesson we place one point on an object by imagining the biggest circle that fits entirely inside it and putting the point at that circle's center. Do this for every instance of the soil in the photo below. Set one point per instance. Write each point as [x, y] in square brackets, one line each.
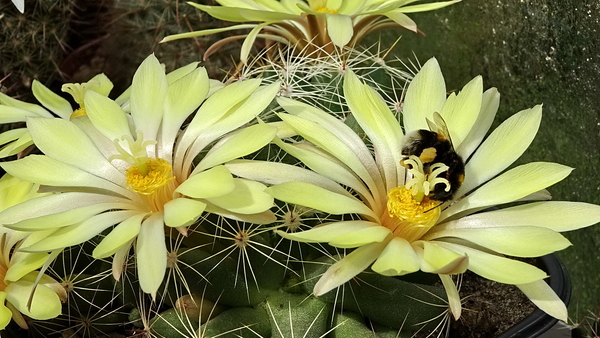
[489, 308]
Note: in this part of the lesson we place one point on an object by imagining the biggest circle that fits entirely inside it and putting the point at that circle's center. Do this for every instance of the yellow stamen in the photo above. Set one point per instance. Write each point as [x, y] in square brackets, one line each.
[155, 173]
[407, 217]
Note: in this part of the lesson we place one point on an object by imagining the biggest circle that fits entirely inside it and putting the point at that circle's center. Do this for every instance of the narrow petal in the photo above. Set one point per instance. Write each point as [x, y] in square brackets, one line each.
[461, 113]
[513, 241]
[249, 42]
[438, 259]
[106, 115]
[340, 29]
[496, 268]
[425, 95]
[119, 236]
[489, 106]
[78, 233]
[554, 215]
[401, 19]
[64, 141]
[542, 295]
[351, 265]
[326, 232]
[64, 218]
[183, 212]
[148, 91]
[397, 259]
[511, 186]
[427, 7]
[273, 173]
[360, 237]
[214, 182]
[45, 303]
[48, 171]
[244, 142]
[30, 107]
[248, 197]
[120, 259]
[151, 254]
[23, 263]
[5, 313]
[51, 100]
[314, 197]
[454, 303]
[507, 143]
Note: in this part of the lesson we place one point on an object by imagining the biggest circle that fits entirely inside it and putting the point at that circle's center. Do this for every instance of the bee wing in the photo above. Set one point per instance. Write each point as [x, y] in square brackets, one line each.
[439, 126]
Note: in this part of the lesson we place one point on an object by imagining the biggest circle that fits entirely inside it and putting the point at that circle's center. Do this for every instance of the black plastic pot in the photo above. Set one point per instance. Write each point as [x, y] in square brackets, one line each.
[538, 321]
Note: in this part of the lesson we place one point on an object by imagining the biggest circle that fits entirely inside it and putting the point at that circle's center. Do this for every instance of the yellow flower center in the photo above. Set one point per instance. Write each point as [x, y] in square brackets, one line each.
[410, 213]
[152, 178]
[321, 6]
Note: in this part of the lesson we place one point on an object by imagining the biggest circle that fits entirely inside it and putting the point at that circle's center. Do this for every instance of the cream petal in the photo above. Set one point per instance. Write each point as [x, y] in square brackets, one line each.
[254, 15]
[45, 303]
[53, 204]
[183, 212]
[438, 259]
[427, 7]
[265, 217]
[511, 186]
[497, 268]
[248, 197]
[106, 115]
[382, 127]
[21, 143]
[5, 313]
[78, 233]
[225, 13]
[502, 147]
[489, 106]
[64, 141]
[249, 42]
[241, 143]
[315, 197]
[340, 29]
[12, 114]
[401, 19]
[425, 95]
[119, 260]
[206, 32]
[22, 263]
[461, 113]
[122, 234]
[542, 295]
[148, 91]
[214, 182]
[151, 254]
[34, 108]
[51, 100]
[324, 233]
[272, 173]
[64, 218]
[454, 303]
[351, 265]
[48, 171]
[397, 259]
[513, 241]
[555, 215]
[360, 237]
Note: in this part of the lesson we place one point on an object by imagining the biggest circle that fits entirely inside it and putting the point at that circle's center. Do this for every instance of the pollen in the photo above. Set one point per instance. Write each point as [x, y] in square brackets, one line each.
[155, 174]
[408, 218]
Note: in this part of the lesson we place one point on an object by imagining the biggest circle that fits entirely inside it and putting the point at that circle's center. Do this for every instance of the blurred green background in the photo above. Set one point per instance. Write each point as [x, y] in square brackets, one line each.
[533, 51]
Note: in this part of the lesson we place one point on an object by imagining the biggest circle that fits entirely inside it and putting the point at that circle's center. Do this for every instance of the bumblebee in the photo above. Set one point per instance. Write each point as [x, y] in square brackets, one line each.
[435, 146]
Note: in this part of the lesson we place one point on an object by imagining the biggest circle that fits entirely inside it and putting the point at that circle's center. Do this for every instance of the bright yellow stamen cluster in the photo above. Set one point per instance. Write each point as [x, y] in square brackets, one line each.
[153, 175]
[321, 6]
[408, 218]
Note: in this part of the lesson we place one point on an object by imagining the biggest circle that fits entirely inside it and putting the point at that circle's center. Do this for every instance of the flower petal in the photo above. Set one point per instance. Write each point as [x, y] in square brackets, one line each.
[360, 237]
[542, 295]
[461, 112]
[64, 218]
[427, 7]
[148, 91]
[78, 233]
[315, 197]
[51, 100]
[5, 313]
[489, 106]
[454, 303]
[513, 241]
[438, 259]
[214, 182]
[106, 115]
[45, 303]
[23, 263]
[119, 236]
[248, 197]
[249, 42]
[151, 254]
[496, 268]
[502, 147]
[182, 212]
[324, 233]
[401, 19]
[425, 95]
[64, 141]
[510, 186]
[340, 29]
[351, 265]
[397, 259]
[8, 101]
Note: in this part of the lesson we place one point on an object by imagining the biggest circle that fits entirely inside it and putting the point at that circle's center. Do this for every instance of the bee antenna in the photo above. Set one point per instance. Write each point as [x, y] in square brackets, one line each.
[428, 210]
